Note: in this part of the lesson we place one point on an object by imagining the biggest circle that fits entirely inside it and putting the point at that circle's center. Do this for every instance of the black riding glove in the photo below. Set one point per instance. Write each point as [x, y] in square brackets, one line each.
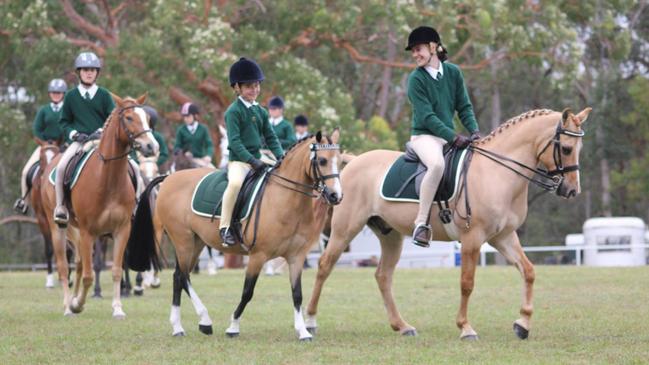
[95, 135]
[80, 137]
[475, 136]
[256, 164]
[461, 141]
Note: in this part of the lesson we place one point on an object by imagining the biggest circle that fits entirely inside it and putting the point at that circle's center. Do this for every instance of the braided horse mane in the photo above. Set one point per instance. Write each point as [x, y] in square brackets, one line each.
[294, 146]
[527, 115]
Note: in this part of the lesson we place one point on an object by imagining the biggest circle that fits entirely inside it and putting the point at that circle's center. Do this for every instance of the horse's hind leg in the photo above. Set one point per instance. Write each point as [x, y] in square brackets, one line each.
[98, 260]
[391, 245]
[49, 253]
[86, 277]
[510, 247]
[295, 265]
[255, 263]
[344, 228]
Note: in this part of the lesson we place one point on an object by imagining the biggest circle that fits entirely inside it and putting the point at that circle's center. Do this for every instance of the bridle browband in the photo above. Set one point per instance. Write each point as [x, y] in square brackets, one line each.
[131, 136]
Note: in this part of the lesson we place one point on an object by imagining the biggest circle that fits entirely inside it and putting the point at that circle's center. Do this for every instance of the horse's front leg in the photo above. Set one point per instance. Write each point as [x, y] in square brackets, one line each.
[510, 247]
[470, 257]
[255, 263]
[120, 239]
[295, 265]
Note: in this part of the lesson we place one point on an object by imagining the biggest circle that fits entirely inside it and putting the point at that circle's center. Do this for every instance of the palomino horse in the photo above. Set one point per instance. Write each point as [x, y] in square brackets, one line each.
[102, 201]
[497, 185]
[285, 224]
[49, 149]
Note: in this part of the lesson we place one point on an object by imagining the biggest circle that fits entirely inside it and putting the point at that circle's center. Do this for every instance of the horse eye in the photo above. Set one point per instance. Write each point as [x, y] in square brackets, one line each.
[566, 150]
[323, 161]
[129, 119]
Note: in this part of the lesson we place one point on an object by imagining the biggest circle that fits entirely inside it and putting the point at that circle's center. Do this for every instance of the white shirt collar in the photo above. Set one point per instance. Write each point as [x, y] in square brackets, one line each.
[56, 106]
[436, 74]
[276, 121]
[91, 90]
[247, 104]
[300, 136]
[192, 127]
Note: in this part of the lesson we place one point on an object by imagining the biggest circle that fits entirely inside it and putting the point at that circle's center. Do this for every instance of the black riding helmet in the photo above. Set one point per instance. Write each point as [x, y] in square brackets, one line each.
[244, 71]
[426, 35]
[153, 115]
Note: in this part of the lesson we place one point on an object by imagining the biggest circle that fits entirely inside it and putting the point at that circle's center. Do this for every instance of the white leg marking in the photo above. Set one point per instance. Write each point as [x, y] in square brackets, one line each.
[174, 319]
[234, 326]
[300, 328]
[49, 283]
[199, 307]
[310, 321]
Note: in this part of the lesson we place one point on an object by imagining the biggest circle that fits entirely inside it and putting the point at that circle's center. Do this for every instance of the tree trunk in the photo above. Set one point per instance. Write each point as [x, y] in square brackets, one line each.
[386, 79]
[496, 111]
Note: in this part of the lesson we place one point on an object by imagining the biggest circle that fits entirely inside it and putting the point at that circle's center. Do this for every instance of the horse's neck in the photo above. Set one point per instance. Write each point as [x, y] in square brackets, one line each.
[111, 146]
[520, 141]
[292, 168]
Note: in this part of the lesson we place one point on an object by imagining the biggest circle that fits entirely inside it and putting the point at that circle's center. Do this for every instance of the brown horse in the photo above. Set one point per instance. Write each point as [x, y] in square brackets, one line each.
[49, 150]
[286, 225]
[102, 201]
[497, 185]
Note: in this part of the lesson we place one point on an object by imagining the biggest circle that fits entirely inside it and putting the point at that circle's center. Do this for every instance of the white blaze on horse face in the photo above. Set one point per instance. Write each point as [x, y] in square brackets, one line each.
[148, 136]
[49, 155]
[334, 169]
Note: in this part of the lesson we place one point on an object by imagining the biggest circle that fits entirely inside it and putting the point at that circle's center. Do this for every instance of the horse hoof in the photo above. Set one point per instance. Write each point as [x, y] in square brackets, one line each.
[306, 339]
[470, 338]
[521, 332]
[68, 313]
[97, 296]
[232, 334]
[312, 330]
[411, 332]
[75, 307]
[138, 292]
[155, 286]
[179, 334]
[206, 329]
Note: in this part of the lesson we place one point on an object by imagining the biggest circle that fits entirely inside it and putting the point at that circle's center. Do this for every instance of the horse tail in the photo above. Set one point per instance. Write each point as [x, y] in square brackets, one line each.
[141, 246]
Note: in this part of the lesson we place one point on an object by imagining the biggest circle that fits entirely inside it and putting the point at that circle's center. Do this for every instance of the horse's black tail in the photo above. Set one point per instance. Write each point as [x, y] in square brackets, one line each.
[141, 246]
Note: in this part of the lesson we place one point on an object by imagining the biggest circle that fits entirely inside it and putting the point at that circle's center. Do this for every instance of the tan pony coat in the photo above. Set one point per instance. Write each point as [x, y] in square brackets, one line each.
[102, 202]
[288, 227]
[498, 200]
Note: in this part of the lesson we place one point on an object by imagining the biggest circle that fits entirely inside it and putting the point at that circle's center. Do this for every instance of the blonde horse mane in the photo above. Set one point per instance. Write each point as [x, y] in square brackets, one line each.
[519, 118]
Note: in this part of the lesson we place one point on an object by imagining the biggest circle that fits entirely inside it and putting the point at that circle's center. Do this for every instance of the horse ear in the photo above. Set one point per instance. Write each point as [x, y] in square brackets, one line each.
[335, 136]
[119, 101]
[142, 98]
[583, 115]
[318, 136]
[565, 115]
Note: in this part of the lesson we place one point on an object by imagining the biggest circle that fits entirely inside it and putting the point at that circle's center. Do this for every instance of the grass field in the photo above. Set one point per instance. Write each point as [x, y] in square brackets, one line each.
[582, 316]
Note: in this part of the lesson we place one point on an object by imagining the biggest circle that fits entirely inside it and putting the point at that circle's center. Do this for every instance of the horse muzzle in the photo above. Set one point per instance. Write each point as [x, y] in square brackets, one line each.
[565, 191]
[332, 197]
[147, 149]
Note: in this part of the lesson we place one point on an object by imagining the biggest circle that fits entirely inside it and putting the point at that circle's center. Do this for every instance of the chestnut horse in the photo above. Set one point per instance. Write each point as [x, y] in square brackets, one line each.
[497, 184]
[283, 221]
[102, 201]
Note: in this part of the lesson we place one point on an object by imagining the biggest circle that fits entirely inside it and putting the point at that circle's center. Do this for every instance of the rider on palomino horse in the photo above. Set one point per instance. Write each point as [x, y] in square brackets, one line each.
[436, 91]
[247, 126]
[46, 128]
[194, 137]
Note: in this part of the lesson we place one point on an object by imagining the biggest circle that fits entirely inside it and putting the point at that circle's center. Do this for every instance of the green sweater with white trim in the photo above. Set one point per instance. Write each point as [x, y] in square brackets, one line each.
[434, 102]
[85, 116]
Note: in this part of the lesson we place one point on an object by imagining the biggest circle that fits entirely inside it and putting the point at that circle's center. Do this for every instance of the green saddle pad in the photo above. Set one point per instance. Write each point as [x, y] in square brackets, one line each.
[393, 189]
[77, 169]
[208, 196]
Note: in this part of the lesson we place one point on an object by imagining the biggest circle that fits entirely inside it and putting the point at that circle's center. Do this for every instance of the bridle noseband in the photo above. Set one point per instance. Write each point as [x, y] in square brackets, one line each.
[131, 136]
